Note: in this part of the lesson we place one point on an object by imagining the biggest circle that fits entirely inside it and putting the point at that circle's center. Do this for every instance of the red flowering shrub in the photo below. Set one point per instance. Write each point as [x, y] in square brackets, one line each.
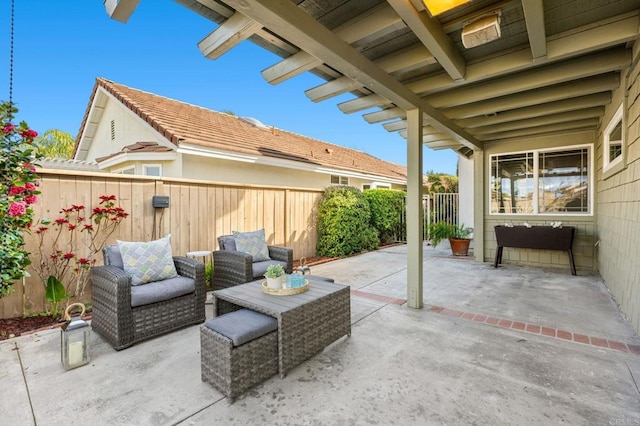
[76, 240]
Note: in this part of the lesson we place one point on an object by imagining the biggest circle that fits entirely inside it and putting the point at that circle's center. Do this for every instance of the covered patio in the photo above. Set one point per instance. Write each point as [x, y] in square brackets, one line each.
[514, 345]
[515, 87]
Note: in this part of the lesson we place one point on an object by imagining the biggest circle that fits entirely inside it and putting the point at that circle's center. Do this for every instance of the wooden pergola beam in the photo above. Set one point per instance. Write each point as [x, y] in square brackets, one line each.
[228, 35]
[292, 23]
[534, 19]
[430, 33]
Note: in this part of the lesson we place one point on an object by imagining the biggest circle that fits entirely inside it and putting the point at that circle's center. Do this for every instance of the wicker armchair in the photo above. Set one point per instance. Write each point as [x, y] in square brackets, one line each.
[121, 324]
[232, 267]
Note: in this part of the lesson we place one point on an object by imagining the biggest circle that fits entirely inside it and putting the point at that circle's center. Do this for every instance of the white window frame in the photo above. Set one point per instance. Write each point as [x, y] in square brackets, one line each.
[617, 163]
[124, 170]
[342, 180]
[536, 180]
[145, 167]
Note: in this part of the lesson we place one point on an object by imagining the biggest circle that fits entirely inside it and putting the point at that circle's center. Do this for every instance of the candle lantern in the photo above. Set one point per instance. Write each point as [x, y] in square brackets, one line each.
[303, 268]
[74, 339]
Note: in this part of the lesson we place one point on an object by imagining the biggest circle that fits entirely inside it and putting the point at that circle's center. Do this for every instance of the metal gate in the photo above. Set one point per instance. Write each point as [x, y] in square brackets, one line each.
[437, 208]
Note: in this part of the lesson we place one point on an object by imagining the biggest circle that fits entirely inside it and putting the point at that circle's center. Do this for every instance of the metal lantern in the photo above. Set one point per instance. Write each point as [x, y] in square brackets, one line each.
[303, 268]
[74, 339]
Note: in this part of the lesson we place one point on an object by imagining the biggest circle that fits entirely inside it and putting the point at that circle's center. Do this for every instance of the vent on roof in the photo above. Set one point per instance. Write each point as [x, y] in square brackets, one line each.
[254, 122]
[113, 130]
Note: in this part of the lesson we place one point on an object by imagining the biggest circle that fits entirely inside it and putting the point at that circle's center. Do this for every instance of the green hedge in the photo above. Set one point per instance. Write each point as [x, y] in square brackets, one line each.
[386, 209]
[344, 223]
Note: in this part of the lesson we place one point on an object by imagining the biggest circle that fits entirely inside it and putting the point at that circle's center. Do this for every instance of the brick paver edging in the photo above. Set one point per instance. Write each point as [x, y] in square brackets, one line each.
[514, 325]
[537, 329]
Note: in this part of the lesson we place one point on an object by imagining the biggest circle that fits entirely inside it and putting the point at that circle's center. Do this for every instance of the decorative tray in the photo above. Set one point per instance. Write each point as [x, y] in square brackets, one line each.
[285, 291]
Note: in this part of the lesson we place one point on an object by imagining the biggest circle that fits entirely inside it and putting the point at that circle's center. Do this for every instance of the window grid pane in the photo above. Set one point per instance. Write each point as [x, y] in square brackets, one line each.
[563, 184]
[541, 182]
[512, 183]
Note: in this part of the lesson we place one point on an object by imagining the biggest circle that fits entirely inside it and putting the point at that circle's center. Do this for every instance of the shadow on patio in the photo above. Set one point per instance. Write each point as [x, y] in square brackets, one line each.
[513, 345]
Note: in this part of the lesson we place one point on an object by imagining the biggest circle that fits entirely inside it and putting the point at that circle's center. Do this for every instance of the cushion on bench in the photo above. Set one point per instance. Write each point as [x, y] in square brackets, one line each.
[242, 326]
[159, 291]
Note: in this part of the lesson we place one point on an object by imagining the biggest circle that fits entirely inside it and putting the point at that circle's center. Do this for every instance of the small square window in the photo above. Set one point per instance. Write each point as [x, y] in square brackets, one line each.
[339, 180]
[614, 140]
[152, 170]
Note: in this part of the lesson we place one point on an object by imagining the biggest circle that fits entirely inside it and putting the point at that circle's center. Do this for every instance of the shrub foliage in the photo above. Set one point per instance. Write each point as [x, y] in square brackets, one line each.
[344, 223]
[386, 210]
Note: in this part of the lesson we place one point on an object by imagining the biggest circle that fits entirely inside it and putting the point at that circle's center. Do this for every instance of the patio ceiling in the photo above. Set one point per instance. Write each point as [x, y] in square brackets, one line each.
[551, 71]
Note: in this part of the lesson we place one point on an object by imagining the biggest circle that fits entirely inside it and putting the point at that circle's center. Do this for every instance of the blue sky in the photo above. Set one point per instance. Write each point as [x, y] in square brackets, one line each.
[61, 47]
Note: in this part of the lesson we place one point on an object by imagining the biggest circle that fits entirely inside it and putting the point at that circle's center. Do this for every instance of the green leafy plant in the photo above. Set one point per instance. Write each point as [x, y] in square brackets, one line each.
[55, 292]
[69, 244]
[386, 211]
[344, 223]
[208, 273]
[18, 193]
[444, 231]
[274, 271]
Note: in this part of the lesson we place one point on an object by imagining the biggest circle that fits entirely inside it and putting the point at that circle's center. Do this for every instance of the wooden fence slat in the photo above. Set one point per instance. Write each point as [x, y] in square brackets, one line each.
[198, 213]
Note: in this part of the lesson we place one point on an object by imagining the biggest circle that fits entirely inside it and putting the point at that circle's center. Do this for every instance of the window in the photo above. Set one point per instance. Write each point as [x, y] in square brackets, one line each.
[126, 171]
[541, 182]
[152, 170]
[375, 185]
[613, 140]
[339, 180]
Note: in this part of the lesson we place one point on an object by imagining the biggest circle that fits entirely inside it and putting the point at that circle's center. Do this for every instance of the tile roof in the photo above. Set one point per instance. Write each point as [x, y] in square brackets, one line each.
[181, 122]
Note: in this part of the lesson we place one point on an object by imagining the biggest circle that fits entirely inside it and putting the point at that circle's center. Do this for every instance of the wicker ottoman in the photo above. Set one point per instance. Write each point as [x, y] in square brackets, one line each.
[238, 350]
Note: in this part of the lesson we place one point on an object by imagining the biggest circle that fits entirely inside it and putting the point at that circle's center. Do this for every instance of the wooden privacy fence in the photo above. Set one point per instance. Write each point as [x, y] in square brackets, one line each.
[198, 212]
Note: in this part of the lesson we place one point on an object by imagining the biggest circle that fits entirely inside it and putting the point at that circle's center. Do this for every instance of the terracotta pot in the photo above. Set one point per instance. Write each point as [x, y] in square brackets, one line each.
[459, 247]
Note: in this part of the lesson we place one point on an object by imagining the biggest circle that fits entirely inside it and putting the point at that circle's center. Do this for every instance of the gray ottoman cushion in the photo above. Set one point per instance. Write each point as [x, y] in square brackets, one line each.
[243, 325]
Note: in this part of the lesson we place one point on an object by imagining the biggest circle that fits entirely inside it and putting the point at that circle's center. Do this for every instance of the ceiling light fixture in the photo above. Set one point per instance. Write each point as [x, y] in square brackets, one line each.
[481, 30]
[436, 7]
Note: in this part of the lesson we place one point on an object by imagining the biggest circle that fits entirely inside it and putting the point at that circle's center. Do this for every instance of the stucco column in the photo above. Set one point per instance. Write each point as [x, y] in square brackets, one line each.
[479, 197]
[415, 212]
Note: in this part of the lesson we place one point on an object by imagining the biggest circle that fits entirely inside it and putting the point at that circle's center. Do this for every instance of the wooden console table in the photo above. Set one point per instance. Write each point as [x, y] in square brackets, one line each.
[536, 237]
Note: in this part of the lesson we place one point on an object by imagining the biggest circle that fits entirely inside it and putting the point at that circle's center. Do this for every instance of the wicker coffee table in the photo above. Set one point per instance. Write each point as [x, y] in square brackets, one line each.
[307, 322]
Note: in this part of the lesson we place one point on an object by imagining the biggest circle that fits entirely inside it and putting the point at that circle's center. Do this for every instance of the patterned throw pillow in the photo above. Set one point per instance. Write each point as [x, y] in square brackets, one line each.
[148, 261]
[253, 243]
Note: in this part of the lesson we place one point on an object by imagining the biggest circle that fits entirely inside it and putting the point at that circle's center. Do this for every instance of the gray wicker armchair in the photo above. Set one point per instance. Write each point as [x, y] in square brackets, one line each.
[232, 267]
[123, 321]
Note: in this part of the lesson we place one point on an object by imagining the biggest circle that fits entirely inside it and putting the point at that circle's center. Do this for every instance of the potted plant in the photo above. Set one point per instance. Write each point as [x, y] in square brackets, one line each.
[274, 276]
[458, 236]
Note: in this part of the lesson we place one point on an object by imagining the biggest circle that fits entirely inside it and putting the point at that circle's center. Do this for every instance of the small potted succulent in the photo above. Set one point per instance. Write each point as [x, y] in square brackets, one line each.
[274, 276]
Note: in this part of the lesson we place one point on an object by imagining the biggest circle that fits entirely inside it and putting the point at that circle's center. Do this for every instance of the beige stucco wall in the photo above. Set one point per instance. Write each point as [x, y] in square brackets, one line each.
[128, 130]
[219, 170]
[618, 202]
[583, 245]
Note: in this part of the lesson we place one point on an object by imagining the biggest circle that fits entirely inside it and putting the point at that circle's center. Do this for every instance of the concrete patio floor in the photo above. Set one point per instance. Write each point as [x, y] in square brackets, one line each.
[513, 345]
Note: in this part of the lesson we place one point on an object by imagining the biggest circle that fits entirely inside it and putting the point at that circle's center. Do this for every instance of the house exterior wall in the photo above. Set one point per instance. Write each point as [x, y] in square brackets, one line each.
[220, 170]
[583, 244]
[618, 201]
[465, 191]
[128, 129]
